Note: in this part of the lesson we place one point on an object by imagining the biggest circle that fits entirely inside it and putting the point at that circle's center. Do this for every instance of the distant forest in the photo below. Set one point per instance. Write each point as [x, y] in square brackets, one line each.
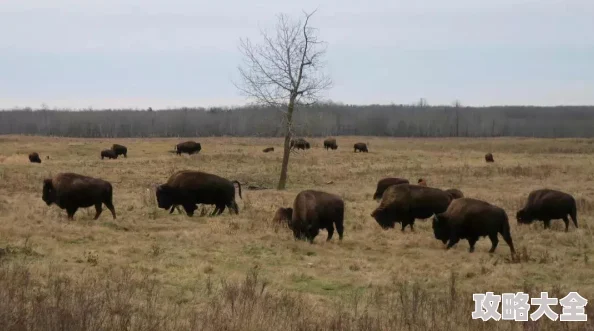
[327, 119]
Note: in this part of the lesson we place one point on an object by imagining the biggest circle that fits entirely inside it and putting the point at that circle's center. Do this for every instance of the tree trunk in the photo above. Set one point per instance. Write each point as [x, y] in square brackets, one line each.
[287, 150]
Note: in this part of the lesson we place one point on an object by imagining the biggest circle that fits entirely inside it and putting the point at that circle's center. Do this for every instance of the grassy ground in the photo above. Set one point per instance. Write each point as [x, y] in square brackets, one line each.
[183, 256]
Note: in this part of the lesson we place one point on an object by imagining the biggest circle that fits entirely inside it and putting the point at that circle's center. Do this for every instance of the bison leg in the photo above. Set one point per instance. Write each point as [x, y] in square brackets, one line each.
[189, 208]
[339, 229]
[494, 242]
[98, 210]
[547, 224]
[330, 230]
[508, 239]
[566, 220]
[70, 211]
[453, 240]
[472, 241]
[233, 207]
[109, 206]
[172, 208]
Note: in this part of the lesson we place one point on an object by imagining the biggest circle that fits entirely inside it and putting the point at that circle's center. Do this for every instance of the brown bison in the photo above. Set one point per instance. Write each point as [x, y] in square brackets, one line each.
[71, 191]
[455, 193]
[314, 210]
[189, 147]
[470, 219]
[489, 157]
[120, 150]
[404, 203]
[384, 183]
[330, 143]
[189, 188]
[300, 143]
[546, 205]
[34, 158]
[282, 215]
[108, 153]
[361, 147]
[421, 182]
[268, 149]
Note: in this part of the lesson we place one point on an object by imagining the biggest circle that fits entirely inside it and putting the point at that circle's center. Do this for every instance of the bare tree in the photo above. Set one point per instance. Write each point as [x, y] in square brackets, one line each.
[285, 71]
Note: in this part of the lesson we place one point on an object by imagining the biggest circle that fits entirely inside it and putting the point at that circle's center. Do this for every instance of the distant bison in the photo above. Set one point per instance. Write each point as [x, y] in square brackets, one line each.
[314, 210]
[120, 150]
[421, 182]
[470, 219]
[384, 183]
[489, 157]
[268, 149]
[282, 215]
[189, 188]
[546, 205]
[108, 153]
[189, 147]
[404, 203]
[330, 143]
[71, 191]
[361, 147]
[455, 193]
[300, 143]
[34, 158]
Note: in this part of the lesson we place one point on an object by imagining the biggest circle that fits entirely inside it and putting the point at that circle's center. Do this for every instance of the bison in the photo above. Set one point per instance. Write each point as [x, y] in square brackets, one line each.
[470, 219]
[34, 158]
[361, 147]
[489, 157]
[421, 182]
[71, 191]
[384, 183]
[189, 147]
[268, 149]
[300, 143]
[455, 193]
[282, 215]
[404, 203]
[330, 143]
[546, 205]
[108, 153]
[120, 150]
[314, 210]
[189, 188]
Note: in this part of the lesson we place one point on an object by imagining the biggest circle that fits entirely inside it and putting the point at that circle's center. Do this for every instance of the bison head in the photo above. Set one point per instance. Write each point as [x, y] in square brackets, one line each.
[383, 219]
[164, 199]
[49, 192]
[523, 217]
[441, 230]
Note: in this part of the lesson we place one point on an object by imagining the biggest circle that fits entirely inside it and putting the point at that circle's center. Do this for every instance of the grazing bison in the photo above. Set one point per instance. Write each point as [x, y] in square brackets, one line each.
[330, 143]
[71, 191]
[282, 215]
[34, 158]
[421, 182]
[384, 183]
[455, 193]
[120, 150]
[470, 219]
[361, 147]
[268, 149]
[108, 153]
[189, 188]
[300, 143]
[546, 205]
[404, 203]
[314, 210]
[489, 157]
[189, 147]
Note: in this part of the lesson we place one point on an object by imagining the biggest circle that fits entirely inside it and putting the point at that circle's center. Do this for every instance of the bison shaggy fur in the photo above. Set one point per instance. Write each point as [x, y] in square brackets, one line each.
[361, 147]
[268, 149]
[546, 205]
[314, 210]
[120, 150]
[455, 193]
[384, 183]
[108, 153]
[405, 202]
[470, 219]
[189, 188]
[489, 157]
[282, 215]
[330, 143]
[34, 158]
[71, 191]
[189, 147]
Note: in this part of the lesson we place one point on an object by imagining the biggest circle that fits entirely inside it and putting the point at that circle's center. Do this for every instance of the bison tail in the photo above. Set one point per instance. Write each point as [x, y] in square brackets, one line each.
[239, 187]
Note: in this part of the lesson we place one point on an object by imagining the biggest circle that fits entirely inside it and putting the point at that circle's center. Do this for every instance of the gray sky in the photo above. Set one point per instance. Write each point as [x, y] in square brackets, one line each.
[141, 53]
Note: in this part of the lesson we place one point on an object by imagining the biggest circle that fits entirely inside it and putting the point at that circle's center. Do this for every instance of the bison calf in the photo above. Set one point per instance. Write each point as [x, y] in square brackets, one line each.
[470, 219]
[421, 182]
[34, 158]
[361, 147]
[71, 191]
[268, 149]
[314, 210]
[384, 183]
[282, 215]
[546, 205]
[489, 157]
[108, 153]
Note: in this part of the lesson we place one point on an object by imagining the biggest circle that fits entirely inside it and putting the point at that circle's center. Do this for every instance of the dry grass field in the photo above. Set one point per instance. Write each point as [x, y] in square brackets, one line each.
[149, 270]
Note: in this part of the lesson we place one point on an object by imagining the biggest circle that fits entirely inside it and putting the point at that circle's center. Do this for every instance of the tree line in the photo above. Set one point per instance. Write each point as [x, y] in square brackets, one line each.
[321, 119]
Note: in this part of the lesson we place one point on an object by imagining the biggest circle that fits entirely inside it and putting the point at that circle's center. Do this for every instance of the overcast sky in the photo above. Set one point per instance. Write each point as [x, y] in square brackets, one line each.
[141, 53]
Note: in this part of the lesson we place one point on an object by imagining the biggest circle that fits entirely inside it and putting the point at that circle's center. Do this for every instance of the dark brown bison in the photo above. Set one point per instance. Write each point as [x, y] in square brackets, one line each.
[314, 210]
[189, 188]
[404, 203]
[421, 182]
[108, 153]
[282, 215]
[546, 205]
[361, 147]
[34, 158]
[120, 150]
[330, 143]
[189, 147]
[489, 157]
[71, 191]
[470, 219]
[268, 149]
[384, 183]
[455, 193]
[300, 143]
